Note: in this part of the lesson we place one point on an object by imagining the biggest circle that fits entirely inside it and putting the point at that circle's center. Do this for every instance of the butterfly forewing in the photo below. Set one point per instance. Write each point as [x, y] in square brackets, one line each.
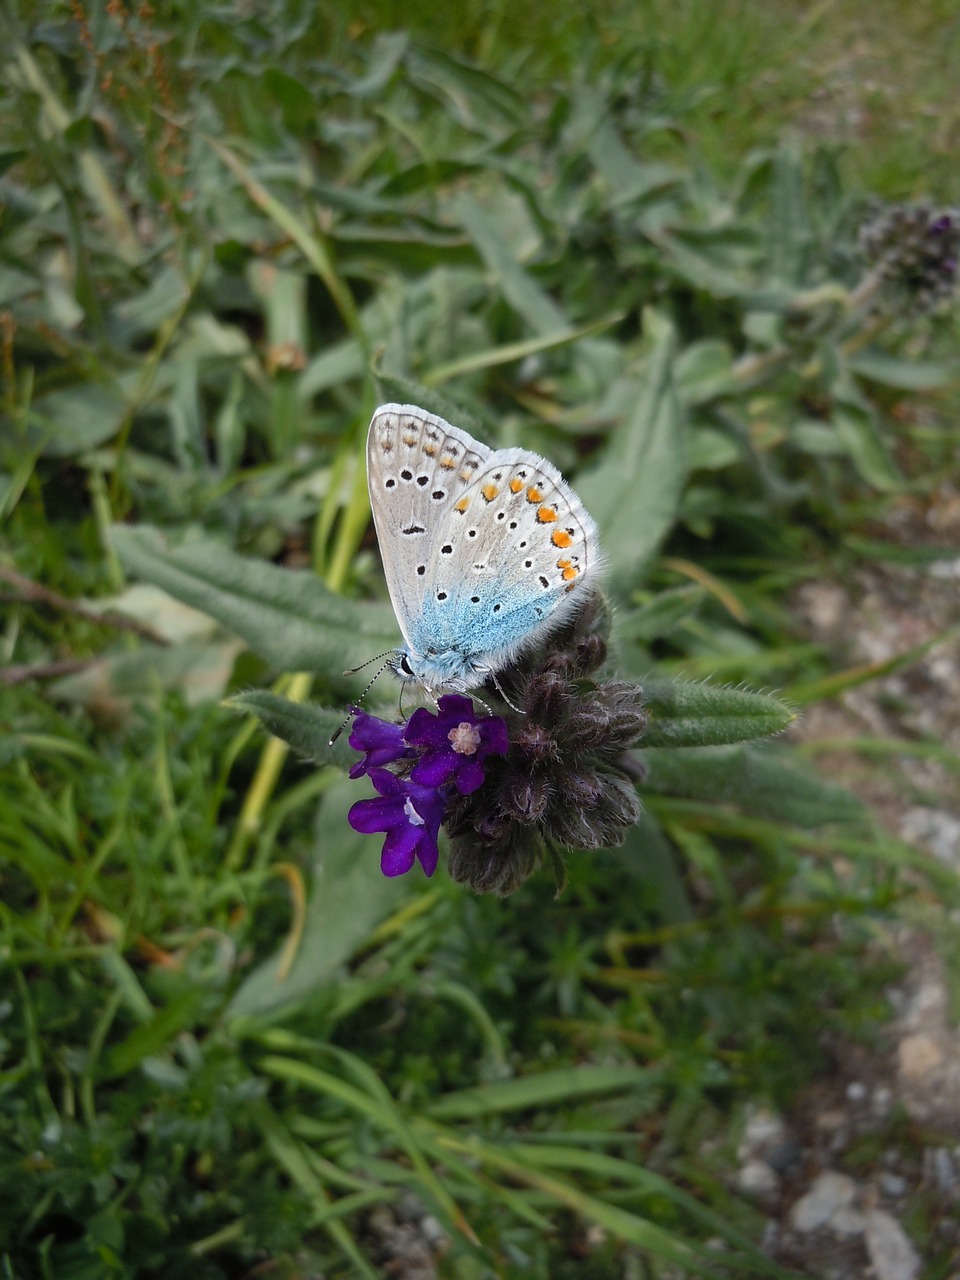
[418, 466]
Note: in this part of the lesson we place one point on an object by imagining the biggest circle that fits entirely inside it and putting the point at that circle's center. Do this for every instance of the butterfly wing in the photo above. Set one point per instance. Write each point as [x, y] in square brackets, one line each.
[418, 468]
[511, 556]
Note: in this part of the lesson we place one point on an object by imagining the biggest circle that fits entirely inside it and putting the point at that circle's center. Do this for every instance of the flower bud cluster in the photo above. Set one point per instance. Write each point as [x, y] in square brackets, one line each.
[562, 781]
[916, 250]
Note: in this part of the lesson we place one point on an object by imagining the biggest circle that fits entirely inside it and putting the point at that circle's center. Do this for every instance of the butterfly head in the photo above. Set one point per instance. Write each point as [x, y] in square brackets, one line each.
[448, 672]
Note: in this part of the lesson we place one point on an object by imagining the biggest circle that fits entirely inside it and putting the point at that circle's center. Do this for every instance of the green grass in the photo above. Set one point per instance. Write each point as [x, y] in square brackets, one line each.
[226, 1039]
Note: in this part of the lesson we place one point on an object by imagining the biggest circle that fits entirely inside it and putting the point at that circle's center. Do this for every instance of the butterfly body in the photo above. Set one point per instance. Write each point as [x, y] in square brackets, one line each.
[484, 551]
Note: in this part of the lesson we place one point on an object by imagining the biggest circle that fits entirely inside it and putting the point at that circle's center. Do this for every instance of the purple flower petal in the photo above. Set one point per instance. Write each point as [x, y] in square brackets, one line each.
[454, 742]
[436, 767]
[380, 740]
[409, 814]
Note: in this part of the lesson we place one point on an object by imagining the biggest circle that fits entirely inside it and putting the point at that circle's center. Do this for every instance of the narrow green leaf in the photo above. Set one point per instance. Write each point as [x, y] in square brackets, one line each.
[383, 1113]
[704, 371]
[859, 433]
[154, 1036]
[611, 1169]
[684, 714]
[294, 1161]
[905, 375]
[307, 727]
[634, 492]
[620, 1223]
[287, 616]
[74, 419]
[547, 1088]
[349, 897]
[513, 351]
[758, 780]
[659, 615]
[405, 391]
[519, 288]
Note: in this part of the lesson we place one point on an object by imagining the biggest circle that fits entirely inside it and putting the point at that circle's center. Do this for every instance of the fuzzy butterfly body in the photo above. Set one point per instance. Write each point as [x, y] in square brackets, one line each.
[484, 550]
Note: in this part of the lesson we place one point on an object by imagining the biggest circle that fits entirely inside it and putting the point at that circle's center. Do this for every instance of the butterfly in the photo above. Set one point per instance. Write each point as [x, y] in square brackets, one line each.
[484, 550]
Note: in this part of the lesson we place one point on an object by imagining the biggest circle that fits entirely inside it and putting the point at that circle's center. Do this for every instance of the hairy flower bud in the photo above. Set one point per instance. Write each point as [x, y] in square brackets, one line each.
[915, 249]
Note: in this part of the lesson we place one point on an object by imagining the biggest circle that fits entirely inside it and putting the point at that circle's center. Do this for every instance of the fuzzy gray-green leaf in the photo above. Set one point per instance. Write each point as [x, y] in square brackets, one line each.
[286, 616]
[686, 714]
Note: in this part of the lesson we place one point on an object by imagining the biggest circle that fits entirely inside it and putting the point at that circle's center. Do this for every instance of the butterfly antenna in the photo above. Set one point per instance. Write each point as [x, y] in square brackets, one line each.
[388, 655]
[352, 671]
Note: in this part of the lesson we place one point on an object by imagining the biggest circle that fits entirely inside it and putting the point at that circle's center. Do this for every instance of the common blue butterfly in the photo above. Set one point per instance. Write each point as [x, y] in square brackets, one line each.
[484, 550]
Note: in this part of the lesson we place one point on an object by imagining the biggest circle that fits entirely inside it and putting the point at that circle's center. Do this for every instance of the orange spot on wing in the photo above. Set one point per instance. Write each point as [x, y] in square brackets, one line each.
[516, 485]
[489, 491]
[534, 495]
[430, 450]
[546, 515]
[569, 574]
[447, 462]
[410, 440]
[563, 564]
[560, 538]
[462, 505]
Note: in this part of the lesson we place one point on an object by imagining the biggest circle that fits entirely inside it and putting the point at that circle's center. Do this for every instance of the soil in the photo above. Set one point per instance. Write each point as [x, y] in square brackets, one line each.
[872, 1188]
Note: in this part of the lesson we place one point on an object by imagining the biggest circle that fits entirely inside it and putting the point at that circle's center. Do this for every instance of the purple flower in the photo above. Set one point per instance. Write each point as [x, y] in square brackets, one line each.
[381, 741]
[409, 814]
[454, 743]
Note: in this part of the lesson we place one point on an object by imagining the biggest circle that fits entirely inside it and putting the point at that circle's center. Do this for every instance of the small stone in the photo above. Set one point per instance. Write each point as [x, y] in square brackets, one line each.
[939, 1169]
[830, 1192]
[433, 1232]
[891, 1253]
[892, 1184]
[919, 1055]
[848, 1222]
[882, 1099]
[758, 1180]
[764, 1129]
[830, 1121]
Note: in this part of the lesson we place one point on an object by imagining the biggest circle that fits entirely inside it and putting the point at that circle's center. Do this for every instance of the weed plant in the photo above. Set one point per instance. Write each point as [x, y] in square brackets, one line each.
[229, 1046]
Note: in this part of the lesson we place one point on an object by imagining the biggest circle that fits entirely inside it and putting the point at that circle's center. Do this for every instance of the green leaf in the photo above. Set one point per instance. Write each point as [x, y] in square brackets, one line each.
[905, 375]
[75, 419]
[634, 492]
[154, 1036]
[393, 389]
[349, 896]
[859, 433]
[519, 288]
[704, 371]
[543, 1089]
[307, 727]
[662, 613]
[788, 227]
[759, 780]
[685, 714]
[855, 421]
[287, 616]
